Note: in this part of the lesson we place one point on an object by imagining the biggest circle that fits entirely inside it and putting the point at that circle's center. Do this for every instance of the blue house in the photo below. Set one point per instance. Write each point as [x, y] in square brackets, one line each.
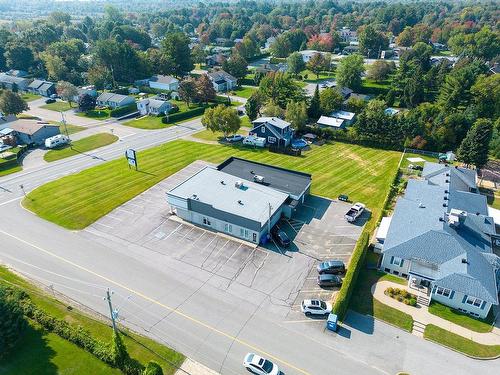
[441, 239]
[277, 132]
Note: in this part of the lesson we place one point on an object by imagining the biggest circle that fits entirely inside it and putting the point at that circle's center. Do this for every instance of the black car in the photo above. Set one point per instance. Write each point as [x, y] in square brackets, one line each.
[331, 267]
[281, 237]
[328, 280]
[50, 101]
[343, 198]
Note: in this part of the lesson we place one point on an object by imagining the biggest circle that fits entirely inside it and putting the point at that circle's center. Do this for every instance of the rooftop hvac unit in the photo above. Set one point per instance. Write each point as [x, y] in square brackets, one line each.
[238, 184]
[259, 179]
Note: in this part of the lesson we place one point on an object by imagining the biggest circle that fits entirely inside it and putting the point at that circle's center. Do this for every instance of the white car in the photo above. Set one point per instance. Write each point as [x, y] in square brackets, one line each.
[260, 366]
[315, 307]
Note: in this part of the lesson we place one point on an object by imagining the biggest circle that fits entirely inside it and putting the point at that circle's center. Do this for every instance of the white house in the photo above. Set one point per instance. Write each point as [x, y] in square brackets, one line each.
[153, 106]
[347, 117]
[167, 83]
[441, 237]
[109, 99]
[222, 81]
[330, 122]
[309, 53]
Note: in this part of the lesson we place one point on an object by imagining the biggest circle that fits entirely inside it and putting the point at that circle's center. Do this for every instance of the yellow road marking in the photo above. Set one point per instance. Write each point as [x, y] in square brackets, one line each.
[190, 318]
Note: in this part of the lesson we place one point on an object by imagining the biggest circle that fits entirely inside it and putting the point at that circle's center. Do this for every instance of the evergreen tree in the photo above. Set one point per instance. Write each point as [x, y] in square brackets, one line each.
[12, 321]
[253, 106]
[314, 110]
[474, 148]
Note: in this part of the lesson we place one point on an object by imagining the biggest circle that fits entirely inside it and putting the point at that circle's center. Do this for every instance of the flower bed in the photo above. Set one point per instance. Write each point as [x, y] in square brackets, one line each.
[402, 295]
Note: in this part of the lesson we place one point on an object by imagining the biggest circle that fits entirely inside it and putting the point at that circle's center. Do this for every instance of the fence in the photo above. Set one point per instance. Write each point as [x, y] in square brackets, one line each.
[422, 152]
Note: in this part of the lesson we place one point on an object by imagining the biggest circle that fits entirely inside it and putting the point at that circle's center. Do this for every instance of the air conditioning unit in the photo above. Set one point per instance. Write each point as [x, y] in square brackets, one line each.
[238, 184]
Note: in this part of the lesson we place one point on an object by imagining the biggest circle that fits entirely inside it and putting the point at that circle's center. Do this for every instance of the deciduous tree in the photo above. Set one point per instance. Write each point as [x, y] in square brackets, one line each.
[349, 71]
[11, 103]
[67, 91]
[330, 100]
[295, 63]
[222, 119]
[296, 114]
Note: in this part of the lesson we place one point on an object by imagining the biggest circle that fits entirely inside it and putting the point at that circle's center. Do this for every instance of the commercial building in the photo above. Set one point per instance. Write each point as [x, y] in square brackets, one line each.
[442, 240]
[241, 198]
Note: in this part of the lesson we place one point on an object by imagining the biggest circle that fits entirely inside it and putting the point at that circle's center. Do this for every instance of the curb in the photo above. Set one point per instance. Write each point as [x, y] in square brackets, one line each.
[462, 353]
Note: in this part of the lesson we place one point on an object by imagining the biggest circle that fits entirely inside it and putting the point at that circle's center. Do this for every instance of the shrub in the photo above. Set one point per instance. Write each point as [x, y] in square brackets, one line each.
[153, 368]
[357, 260]
[412, 302]
[122, 111]
[174, 109]
[12, 322]
[185, 115]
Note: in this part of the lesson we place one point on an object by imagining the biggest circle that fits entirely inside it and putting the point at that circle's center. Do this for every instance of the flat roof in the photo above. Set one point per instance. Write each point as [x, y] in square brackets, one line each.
[218, 189]
[330, 121]
[281, 179]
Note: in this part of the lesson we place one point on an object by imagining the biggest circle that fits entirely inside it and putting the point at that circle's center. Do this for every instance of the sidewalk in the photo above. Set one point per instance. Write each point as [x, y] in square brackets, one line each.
[421, 314]
[194, 368]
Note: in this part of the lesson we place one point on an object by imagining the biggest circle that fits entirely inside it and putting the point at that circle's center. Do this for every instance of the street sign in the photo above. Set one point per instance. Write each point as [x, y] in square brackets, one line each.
[131, 157]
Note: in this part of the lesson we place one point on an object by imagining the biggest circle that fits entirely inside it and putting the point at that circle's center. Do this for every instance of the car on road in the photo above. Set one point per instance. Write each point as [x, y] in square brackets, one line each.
[260, 366]
[50, 101]
[234, 138]
[281, 237]
[328, 280]
[315, 307]
[333, 267]
[354, 212]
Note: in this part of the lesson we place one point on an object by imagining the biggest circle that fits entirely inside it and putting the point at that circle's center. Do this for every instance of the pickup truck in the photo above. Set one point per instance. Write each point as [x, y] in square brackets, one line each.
[354, 212]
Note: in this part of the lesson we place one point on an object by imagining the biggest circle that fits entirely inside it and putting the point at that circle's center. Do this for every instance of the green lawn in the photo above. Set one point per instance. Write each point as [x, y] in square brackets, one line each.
[244, 92]
[42, 353]
[371, 87]
[312, 78]
[405, 162]
[96, 114]
[459, 343]
[59, 106]
[83, 145]
[209, 135]
[77, 200]
[5, 170]
[72, 129]
[147, 122]
[454, 316]
[29, 97]
[363, 302]
[61, 352]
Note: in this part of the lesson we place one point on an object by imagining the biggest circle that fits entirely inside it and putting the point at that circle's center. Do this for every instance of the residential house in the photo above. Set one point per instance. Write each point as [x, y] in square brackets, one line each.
[277, 132]
[331, 122]
[347, 117]
[167, 83]
[42, 87]
[109, 99]
[153, 106]
[17, 73]
[5, 119]
[309, 53]
[9, 82]
[222, 81]
[269, 42]
[389, 111]
[347, 35]
[441, 238]
[85, 90]
[346, 92]
[33, 131]
[240, 198]
[349, 50]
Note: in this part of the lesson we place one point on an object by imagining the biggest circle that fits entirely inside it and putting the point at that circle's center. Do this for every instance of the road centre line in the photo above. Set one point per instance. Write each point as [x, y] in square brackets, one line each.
[152, 300]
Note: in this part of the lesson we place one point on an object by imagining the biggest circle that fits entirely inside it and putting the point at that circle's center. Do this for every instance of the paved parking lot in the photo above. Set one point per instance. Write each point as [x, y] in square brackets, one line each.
[283, 276]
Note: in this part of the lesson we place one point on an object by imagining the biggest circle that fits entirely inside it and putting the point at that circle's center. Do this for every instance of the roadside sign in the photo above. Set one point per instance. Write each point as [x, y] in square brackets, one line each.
[131, 157]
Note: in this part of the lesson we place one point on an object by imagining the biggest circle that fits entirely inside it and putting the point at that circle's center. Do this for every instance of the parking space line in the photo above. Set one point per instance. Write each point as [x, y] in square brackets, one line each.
[175, 230]
[208, 244]
[114, 217]
[189, 231]
[127, 211]
[202, 234]
[306, 321]
[104, 225]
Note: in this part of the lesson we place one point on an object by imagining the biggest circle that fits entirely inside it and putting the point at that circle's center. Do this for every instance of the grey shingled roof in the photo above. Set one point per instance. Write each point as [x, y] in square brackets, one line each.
[274, 121]
[419, 230]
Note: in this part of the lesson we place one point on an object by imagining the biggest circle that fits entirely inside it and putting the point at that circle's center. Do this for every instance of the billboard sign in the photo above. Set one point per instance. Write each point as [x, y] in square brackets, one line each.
[131, 156]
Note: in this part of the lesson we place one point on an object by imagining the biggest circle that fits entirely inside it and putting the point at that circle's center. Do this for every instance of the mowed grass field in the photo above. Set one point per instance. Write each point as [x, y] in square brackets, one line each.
[77, 200]
[83, 145]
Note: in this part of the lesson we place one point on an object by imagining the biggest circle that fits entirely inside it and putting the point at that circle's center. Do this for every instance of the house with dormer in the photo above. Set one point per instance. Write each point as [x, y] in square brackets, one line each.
[441, 239]
[277, 132]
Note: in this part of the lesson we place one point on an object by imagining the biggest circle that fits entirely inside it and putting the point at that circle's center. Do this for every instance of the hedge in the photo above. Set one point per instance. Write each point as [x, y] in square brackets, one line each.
[122, 111]
[355, 265]
[185, 115]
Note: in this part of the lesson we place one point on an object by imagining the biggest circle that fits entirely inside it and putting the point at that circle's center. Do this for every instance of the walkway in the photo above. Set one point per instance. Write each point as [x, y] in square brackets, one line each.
[195, 368]
[420, 314]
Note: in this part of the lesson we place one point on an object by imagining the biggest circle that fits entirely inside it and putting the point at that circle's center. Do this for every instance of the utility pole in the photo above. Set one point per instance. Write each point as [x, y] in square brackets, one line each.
[269, 221]
[111, 311]
[64, 123]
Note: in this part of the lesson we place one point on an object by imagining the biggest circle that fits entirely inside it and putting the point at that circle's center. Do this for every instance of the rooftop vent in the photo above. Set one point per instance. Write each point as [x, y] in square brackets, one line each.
[441, 219]
[259, 179]
[240, 202]
[464, 261]
[447, 181]
[252, 172]
[446, 191]
[222, 182]
[445, 197]
[447, 175]
[421, 205]
[445, 205]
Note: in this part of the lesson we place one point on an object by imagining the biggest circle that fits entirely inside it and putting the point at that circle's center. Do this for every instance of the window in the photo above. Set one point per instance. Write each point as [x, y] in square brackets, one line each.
[228, 228]
[206, 221]
[474, 301]
[397, 261]
[242, 232]
[262, 129]
[443, 291]
[246, 233]
[395, 272]
[387, 270]
[271, 139]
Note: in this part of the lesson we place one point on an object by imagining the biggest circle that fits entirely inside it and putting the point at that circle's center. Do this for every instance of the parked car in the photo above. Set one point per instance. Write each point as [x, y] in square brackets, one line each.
[315, 307]
[333, 267]
[354, 212]
[260, 366]
[281, 237]
[254, 141]
[329, 280]
[235, 138]
[50, 101]
[416, 167]
[343, 198]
